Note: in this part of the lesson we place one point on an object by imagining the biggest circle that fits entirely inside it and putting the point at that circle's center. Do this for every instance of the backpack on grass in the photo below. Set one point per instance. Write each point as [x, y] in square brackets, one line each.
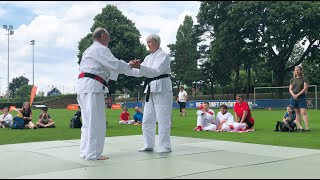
[75, 121]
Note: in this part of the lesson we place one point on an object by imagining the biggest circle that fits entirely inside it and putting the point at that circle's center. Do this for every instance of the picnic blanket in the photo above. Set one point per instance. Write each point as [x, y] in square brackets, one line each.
[239, 131]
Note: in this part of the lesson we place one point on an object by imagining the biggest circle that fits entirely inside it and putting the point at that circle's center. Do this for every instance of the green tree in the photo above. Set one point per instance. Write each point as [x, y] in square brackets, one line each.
[185, 53]
[225, 54]
[271, 27]
[54, 91]
[125, 43]
[16, 84]
[279, 26]
[24, 91]
[311, 67]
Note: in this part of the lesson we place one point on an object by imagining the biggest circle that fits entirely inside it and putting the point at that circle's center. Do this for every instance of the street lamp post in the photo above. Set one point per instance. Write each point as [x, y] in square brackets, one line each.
[10, 32]
[32, 43]
[0, 86]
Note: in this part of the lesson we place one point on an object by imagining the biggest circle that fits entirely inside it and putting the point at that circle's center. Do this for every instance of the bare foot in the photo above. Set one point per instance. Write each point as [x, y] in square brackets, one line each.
[103, 158]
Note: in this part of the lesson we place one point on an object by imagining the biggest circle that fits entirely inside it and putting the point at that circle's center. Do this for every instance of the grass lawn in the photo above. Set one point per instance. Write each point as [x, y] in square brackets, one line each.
[182, 126]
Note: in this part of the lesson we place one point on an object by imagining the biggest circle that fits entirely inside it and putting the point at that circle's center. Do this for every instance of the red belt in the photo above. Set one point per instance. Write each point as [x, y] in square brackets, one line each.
[93, 76]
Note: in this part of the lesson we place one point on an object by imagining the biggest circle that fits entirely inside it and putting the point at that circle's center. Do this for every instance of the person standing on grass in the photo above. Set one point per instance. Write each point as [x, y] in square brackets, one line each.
[181, 100]
[298, 89]
[98, 65]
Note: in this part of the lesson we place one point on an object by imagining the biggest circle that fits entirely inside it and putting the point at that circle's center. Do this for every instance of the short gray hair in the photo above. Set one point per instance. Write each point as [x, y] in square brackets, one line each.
[155, 38]
[98, 33]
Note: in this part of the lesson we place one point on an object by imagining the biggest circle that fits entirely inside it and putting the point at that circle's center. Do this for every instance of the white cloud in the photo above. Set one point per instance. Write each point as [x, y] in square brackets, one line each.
[59, 26]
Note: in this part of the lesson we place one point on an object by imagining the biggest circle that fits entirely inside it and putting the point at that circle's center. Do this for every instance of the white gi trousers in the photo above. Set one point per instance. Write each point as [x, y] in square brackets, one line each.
[159, 108]
[93, 128]
[206, 122]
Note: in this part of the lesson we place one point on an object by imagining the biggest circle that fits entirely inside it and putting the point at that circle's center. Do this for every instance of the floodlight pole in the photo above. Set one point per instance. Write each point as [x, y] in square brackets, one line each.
[32, 43]
[10, 32]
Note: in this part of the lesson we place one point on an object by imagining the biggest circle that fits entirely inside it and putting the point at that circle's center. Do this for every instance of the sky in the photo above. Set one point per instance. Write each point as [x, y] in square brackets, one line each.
[58, 26]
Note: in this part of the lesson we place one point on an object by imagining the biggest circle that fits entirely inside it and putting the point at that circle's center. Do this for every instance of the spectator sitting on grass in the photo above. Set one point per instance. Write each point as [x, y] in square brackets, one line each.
[45, 120]
[289, 121]
[125, 117]
[225, 119]
[138, 116]
[26, 115]
[6, 120]
[205, 119]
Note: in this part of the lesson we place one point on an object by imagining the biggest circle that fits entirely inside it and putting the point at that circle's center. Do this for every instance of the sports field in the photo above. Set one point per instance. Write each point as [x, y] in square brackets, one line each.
[182, 126]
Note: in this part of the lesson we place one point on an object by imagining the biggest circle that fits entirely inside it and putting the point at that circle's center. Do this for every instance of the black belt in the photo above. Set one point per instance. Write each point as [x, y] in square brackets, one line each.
[148, 80]
[93, 76]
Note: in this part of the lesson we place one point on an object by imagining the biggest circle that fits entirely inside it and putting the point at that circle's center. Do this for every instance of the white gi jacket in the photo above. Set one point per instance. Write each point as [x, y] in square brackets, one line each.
[208, 117]
[99, 60]
[155, 65]
[227, 115]
[8, 119]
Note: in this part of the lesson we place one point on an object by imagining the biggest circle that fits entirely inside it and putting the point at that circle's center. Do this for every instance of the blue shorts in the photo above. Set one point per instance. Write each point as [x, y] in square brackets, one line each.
[300, 103]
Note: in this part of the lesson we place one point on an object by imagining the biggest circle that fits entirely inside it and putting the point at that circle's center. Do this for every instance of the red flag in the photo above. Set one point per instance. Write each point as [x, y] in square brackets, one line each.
[33, 94]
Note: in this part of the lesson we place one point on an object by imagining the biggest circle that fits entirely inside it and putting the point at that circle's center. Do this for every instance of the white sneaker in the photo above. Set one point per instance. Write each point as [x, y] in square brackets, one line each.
[166, 150]
[145, 149]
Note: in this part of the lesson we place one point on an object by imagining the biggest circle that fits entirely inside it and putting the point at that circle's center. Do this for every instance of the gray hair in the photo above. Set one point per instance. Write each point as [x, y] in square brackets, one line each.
[155, 38]
[98, 33]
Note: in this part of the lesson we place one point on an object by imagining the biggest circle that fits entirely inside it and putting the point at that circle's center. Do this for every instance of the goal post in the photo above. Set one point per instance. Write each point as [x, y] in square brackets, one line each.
[267, 93]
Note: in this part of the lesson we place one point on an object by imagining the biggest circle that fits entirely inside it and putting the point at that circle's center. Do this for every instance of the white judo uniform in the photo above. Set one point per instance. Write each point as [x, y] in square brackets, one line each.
[228, 124]
[7, 120]
[159, 107]
[207, 120]
[98, 60]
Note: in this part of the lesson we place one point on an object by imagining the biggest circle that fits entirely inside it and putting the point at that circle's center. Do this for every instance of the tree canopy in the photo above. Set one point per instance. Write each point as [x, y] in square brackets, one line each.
[125, 43]
[249, 32]
[16, 84]
[185, 54]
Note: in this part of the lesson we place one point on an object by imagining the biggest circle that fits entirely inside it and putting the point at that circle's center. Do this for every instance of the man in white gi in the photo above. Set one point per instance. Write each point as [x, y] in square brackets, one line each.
[205, 119]
[158, 101]
[97, 66]
[225, 119]
[6, 120]
[181, 100]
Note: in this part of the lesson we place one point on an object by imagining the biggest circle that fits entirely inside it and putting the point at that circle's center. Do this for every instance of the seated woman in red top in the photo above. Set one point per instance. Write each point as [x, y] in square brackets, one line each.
[125, 117]
[243, 118]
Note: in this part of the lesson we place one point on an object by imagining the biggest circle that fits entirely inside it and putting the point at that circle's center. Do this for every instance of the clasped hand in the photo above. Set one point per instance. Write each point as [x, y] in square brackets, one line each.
[135, 63]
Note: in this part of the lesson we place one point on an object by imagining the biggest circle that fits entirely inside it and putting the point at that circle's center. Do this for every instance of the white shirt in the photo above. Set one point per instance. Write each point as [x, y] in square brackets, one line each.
[98, 60]
[153, 65]
[8, 119]
[182, 96]
[228, 116]
[207, 117]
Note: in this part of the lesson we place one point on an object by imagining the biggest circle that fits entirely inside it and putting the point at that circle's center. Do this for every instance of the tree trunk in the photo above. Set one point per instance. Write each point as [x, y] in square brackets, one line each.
[236, 80]
[211, 89]
[248, 81]
[279, 81]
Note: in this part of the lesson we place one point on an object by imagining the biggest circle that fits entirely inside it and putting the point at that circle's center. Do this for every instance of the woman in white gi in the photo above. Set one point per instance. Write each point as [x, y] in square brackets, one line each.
[158, 104]
[97, 66]
[225, 119]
